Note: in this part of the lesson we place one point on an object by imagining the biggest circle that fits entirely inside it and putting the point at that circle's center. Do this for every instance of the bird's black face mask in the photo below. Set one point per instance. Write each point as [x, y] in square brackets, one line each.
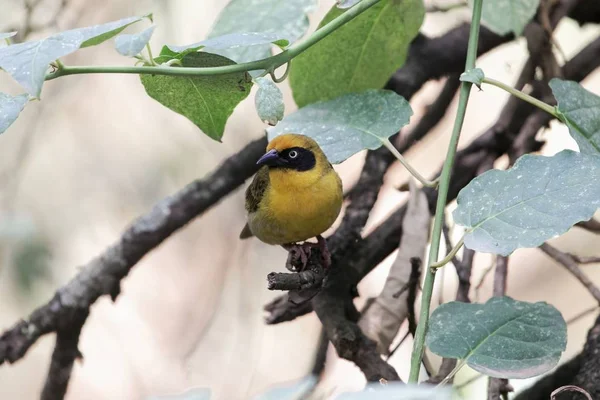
[296, 158]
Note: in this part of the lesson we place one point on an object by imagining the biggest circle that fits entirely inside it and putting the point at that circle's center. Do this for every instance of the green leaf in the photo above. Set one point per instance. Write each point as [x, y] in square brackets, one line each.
[132, 45]
[234, 40]
[193, 394]
[286, 19]
[474, 76]
[539, 198]
[506, 16]
[580, 110]
[31, 263]
[344, 4]
[360, 55]
[16, 227]
[28, 62]
[207, 101]
[289, 392]
[398, 391]
[502, 338]
[269, 101]
[7, 35]
[10, 108]
[350, 123]
[229, 41]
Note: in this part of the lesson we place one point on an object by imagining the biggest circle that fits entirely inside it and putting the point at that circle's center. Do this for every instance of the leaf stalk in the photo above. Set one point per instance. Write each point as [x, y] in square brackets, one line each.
[523, 96]
[409, 168]
[450, 255]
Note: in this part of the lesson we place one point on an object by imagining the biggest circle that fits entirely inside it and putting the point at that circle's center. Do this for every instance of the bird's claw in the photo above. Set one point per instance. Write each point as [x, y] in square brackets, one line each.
[297, 257]
[299, 254]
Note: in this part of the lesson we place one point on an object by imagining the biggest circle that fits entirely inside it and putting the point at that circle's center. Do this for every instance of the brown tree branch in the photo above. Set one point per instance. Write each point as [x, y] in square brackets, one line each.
[66, 351]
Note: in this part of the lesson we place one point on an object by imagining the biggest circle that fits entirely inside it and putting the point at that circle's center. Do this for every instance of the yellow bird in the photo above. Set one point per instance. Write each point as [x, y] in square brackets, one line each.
[295, 196]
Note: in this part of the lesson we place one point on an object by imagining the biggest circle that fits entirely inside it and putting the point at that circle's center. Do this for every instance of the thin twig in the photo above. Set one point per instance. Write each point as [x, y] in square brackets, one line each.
[582, 314]
[593, 225]
[567, 261]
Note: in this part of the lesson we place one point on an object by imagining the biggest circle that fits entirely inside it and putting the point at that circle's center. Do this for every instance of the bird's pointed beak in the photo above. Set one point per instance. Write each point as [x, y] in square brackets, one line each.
[270, 158]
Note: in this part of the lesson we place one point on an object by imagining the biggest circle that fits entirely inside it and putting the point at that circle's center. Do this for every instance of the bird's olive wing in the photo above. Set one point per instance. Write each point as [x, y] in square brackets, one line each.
[256, 190]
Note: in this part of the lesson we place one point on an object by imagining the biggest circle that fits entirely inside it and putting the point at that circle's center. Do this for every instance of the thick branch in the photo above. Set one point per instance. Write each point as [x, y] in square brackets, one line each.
[66, 351]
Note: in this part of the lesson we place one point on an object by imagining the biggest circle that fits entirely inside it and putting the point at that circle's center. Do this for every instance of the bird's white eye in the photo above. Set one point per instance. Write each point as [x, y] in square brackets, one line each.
[293, 154]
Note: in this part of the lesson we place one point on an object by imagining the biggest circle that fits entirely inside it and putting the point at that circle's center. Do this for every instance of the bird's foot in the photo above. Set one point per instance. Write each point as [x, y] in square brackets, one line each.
[297, 257]
[300, 253]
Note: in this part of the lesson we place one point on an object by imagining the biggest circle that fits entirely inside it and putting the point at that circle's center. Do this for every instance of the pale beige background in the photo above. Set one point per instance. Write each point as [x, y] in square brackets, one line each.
[98, 152]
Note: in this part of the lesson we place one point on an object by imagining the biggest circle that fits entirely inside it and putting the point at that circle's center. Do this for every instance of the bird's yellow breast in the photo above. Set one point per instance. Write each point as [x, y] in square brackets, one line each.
[297, 206]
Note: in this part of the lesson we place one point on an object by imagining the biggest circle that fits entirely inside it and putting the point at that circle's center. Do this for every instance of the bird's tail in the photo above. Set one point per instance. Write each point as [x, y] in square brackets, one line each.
[246, 232]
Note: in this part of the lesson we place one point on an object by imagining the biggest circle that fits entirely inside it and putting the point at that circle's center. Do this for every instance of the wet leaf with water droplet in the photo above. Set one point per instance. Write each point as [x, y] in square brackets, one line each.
[537, 199]
[503, 338]
[192, 394]
[350, 123]
[343, 4]
[291, 391]
[28, 62]
[285, 19]
[269, 101]
[132, 45]
[580, 110]
[398, 391]
[10, 108]
[508, 16]
[363, 54]
[6, 35]
[207, 101]
[217, 45]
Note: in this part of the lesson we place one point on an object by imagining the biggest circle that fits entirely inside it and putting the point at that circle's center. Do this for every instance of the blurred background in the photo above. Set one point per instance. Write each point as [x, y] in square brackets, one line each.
[96, 152]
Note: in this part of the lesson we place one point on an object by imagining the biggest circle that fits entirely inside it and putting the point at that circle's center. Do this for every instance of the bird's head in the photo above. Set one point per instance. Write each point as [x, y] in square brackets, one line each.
[293, 152]
[293, 155]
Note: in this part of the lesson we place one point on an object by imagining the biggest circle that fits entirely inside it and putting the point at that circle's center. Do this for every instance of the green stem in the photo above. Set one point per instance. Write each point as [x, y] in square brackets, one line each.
[523, 96]
[465, 89]
[269, 63]
[149, 49]
[409, 168]
[450, 255]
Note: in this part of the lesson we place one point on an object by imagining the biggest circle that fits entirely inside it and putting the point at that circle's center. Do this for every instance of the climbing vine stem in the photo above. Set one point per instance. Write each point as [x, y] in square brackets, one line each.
[268, 64]
[465, 89]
